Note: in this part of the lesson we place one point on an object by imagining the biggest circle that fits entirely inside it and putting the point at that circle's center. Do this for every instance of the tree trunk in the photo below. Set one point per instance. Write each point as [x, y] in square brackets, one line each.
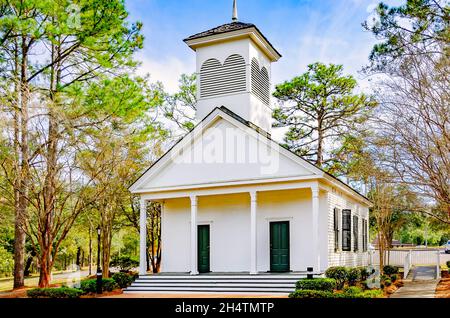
[319, 161]
[90, 250]
[46, 268]
[28, 266]
[21, 208]
[78, 259]
[49, 189]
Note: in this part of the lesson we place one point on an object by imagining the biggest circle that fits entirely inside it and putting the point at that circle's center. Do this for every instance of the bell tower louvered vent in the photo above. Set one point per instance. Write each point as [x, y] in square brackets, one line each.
[260, 82]
[217, 79]
[233, 70]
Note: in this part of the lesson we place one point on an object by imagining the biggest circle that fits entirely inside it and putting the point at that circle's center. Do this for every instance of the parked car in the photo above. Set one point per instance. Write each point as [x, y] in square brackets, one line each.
[447, 247]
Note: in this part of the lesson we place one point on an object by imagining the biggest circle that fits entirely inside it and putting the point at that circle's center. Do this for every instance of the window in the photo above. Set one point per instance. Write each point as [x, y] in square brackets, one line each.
[355, 234]
[336, 229]
[346, 230]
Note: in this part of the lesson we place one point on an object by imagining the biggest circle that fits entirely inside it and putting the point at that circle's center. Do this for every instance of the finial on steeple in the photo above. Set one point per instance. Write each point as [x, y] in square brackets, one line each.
[235, 12]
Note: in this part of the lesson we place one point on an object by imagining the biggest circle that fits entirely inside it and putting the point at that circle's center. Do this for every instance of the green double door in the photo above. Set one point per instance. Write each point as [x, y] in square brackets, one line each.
[279, 247]
[203, 249]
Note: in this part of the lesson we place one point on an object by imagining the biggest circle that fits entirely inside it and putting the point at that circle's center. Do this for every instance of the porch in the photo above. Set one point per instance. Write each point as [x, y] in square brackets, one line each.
[248, 227]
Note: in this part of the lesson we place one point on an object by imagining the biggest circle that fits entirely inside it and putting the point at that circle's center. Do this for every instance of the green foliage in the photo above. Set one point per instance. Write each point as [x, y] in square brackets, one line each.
[123, 280]
[448, 265]
[405, 28]
[363, 273]
[309, 294]
[350, 292]
[326, 284]
[394, 277]
[90, 285]
[389, 270]
[125, 263]
[180, 107]
[353, 276]
[339, 274]
[320, 107]
[62, 292]
[387, 282]
[6, 262]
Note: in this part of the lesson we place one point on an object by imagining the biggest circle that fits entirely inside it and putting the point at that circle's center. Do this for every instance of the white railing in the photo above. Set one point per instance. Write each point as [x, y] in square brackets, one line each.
[407, 264]
[396, 257]
[438, 265]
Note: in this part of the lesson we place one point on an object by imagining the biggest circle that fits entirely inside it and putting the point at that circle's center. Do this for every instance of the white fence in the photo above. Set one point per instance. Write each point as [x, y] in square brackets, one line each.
[410, 258]
[396, 257]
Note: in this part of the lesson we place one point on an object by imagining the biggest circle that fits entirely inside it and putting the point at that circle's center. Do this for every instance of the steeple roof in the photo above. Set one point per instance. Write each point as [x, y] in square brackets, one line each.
[224, 28]
[233, 27]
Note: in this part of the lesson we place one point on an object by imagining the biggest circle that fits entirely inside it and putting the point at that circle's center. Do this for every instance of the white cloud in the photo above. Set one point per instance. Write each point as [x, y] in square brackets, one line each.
[167, 71]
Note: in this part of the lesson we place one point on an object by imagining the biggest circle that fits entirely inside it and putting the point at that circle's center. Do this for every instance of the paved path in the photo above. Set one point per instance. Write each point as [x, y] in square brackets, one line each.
[422, 285]
[7, 284]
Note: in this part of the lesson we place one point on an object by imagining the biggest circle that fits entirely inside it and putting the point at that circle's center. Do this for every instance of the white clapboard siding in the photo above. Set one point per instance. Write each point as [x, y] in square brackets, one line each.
[260, 82]
[217, 79]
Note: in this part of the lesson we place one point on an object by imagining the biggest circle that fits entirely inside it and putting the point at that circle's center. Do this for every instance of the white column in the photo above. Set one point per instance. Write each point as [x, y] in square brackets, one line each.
[315, 229]
[253, 253]
[143, 238]
[194, 253]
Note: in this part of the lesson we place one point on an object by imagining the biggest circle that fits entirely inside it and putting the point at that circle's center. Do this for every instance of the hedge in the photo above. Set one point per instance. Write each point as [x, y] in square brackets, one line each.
[90, 285]
[351, 292]
[62, 292]
[325, 284]
[311, 294]
[123, 280]
[339, 273]
[390, 270]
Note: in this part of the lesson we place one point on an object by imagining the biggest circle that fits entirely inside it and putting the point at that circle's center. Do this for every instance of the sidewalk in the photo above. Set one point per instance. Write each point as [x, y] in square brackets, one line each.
[422, 285]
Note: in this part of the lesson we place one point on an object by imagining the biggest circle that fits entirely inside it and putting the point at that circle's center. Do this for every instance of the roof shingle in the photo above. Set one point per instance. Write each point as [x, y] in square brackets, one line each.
[224, 28]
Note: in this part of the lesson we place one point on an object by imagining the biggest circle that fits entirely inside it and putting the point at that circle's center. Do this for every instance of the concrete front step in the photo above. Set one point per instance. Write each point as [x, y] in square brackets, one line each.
[215, 283]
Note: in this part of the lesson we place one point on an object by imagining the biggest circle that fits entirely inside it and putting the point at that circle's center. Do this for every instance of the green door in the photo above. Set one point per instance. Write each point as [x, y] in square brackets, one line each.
[203, 248]
[279, 247]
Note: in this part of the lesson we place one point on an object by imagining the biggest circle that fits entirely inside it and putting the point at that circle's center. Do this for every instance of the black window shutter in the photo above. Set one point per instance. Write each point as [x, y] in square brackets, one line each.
[346, 230]
[336, 229]
[365, 238]
[355, 234]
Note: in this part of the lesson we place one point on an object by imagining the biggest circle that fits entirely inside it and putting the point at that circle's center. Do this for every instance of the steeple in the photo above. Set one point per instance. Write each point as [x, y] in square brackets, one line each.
[234, 70]
[235, 12]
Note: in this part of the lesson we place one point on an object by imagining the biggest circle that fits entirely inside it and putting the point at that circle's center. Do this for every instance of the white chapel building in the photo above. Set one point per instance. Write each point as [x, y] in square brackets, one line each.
[235, 201]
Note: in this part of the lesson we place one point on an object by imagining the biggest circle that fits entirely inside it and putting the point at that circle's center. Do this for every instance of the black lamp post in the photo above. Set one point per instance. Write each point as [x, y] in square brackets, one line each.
[99, 269]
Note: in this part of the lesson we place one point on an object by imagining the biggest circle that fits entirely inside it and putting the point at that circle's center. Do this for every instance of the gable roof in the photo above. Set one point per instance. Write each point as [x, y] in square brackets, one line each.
[260, 132]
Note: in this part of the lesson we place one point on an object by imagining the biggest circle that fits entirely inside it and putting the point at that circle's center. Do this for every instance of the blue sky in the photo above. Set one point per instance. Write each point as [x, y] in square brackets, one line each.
[304, 31]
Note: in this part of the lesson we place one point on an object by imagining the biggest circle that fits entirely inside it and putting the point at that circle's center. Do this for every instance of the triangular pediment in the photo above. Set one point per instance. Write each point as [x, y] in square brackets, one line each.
[222, 150]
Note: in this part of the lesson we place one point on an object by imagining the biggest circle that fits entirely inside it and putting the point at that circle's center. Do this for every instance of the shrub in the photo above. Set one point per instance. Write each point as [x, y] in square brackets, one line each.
[62, 292]
[363, 273]
[326, 284]
[389, 270]
[387, 282]
[311, 294]
[448, 265]
[90, 285]
[353, 276]
[374, 293]
[352, 291]
[124, 263]
[123, 280]
[394, 277]
[339, 273]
